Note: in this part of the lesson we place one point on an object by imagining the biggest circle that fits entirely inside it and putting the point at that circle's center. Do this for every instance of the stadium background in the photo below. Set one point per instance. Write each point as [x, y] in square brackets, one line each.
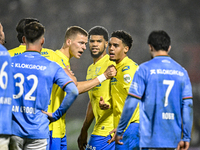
[179, 18]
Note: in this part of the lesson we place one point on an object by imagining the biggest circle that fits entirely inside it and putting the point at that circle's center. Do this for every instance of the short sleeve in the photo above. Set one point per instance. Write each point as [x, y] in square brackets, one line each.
[138, 84]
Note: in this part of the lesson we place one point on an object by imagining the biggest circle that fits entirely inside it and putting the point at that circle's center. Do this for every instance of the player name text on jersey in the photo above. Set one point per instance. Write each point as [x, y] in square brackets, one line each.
[23, 109]
[168, 116]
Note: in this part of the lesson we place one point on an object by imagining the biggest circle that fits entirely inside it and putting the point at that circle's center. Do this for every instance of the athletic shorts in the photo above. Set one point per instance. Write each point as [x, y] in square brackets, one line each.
[57, 143]
[19, 143]
[130, 138]
[100, 143]
[4, 141]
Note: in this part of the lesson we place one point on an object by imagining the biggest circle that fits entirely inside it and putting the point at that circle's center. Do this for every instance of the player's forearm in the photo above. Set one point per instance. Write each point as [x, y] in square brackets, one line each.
[88, 118]
[85, 86]
[129, 107]
[187, 117]
[70, 97]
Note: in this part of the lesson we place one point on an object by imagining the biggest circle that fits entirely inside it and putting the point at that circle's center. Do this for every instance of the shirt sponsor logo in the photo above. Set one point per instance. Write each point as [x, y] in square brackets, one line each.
[166, 71]
[113, 81]
[125, 68]
[44, 53]
[127, 78]
[28, 66]
[17, 54]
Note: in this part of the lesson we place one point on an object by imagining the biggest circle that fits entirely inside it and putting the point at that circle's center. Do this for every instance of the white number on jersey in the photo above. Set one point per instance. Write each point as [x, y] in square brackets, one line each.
[2, 75]
[21, 87]
[170, 84]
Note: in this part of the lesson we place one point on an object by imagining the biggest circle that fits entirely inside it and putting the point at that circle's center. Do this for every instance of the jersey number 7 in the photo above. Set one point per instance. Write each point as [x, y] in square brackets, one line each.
[170, 84]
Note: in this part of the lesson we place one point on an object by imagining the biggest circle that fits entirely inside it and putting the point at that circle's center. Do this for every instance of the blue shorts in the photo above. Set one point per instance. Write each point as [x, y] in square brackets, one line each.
[100, 143]
[130, 138]
[57, 143]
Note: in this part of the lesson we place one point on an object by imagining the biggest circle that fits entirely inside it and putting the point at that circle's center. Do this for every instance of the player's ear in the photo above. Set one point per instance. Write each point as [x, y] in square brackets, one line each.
[68, 42]
[42, 42]
[150, 48]
[24, 39]
[169, 49]
[106, 44]
[126, 48]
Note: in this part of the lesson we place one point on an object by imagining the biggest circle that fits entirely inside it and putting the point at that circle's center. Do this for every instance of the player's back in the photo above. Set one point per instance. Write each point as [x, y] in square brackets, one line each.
[48, 53]
[34, 76]
[167, 84]
[6, 91]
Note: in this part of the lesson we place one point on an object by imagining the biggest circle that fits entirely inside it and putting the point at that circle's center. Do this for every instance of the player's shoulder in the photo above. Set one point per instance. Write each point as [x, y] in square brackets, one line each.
[17, 50]
[129, 64]
[177, 64]
[46, 51]
[4, 52]
[128, 60]
[2, 48]
[105, 62]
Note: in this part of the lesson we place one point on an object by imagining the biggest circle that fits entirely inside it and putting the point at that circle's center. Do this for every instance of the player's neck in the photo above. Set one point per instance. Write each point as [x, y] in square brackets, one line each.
[97, 59]
[65, 51]
[31, 47]
[160, 53]
[120, 59]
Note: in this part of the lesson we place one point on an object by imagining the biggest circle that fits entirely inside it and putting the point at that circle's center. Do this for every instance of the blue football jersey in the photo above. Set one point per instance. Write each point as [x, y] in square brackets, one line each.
[34, 76]
[6, 91]
[162, 85]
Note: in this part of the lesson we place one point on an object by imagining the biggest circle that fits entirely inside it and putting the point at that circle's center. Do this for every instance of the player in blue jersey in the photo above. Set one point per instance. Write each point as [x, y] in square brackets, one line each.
[34, 77]
[164, 91]
[78, 38]
[6, 92]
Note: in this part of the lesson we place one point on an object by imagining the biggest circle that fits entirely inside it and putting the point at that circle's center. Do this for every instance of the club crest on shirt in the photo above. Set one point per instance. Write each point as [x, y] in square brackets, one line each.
[97, 70]
[125, 68]
[127, 78]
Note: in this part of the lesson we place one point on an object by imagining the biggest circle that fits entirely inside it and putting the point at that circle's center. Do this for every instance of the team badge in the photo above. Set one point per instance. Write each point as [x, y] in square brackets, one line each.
[97, 70]
[127, 78]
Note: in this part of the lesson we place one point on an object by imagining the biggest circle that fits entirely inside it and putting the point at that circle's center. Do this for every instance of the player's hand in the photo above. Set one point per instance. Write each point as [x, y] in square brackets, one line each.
[113, 138]
[117, 140]
[102, 104]
[82, 140]
[50, 117]
[110, 72]
[182, 145]
[70, 74]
